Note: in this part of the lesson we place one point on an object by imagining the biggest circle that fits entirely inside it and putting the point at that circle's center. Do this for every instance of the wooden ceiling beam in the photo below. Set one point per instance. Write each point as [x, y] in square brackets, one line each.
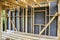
[36, 2]
[41, 1]
[29, 1]
[16, 3]
[41, 5]
[26, 2]
[23, 3]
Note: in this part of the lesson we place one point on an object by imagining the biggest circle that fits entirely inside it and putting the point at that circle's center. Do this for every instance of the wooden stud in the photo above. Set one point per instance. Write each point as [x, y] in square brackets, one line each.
[40, 24]
[49, 19]
[0, 25]
[45, 18]
[23, 20]
[39, 10]
[26, 18]
[44, 5]
[33, 21]
[39, 28]
[58, 33]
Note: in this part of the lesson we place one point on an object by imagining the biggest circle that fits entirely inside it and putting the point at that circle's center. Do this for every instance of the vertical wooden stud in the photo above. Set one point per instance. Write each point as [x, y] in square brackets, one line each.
[6, 20]
[23, 20]
[58, 21]
[33, 20]
[49, 19]
[0, 25]
[45, 17]
[39, 28]
[26, 19]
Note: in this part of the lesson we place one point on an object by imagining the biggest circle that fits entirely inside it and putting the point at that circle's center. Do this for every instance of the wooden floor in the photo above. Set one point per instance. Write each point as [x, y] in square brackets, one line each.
[22, 36]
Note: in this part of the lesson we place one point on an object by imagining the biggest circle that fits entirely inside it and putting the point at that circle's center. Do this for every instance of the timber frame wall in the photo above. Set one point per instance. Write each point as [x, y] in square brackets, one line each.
[32, 20]
[23, 14]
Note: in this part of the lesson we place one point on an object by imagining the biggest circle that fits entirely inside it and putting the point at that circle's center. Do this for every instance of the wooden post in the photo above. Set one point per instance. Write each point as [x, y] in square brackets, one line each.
[49, 19]
[0, 25]
[26, 19]
[45, 17]
[33, 20]
[59, 21]
[23, 20]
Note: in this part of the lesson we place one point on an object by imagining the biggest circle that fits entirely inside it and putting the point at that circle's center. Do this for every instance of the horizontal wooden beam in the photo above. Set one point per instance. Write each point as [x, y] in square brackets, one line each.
[41, 5]
[16, 3]
[23, 3]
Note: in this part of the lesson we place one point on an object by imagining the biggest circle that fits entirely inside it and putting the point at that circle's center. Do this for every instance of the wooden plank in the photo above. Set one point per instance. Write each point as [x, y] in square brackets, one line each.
[49, 19]
[7, 4]
[39, 28]
[41, 5]
[40, 24]
[59, 27]
[22, 3]
[33, 21]
[34, 35]
[39, 10]
[6, 20]
[0, 25]
[17, 3]
[58, 32]
[45, 17]
[23, 20]
[26, 18]
[18, 35]
[51, 15]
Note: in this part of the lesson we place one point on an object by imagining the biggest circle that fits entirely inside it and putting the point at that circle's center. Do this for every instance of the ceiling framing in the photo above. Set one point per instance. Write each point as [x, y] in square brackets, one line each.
[25, 3]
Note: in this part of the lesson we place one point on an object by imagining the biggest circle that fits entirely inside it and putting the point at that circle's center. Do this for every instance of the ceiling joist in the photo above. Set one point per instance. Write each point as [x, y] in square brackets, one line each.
[23, 3]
